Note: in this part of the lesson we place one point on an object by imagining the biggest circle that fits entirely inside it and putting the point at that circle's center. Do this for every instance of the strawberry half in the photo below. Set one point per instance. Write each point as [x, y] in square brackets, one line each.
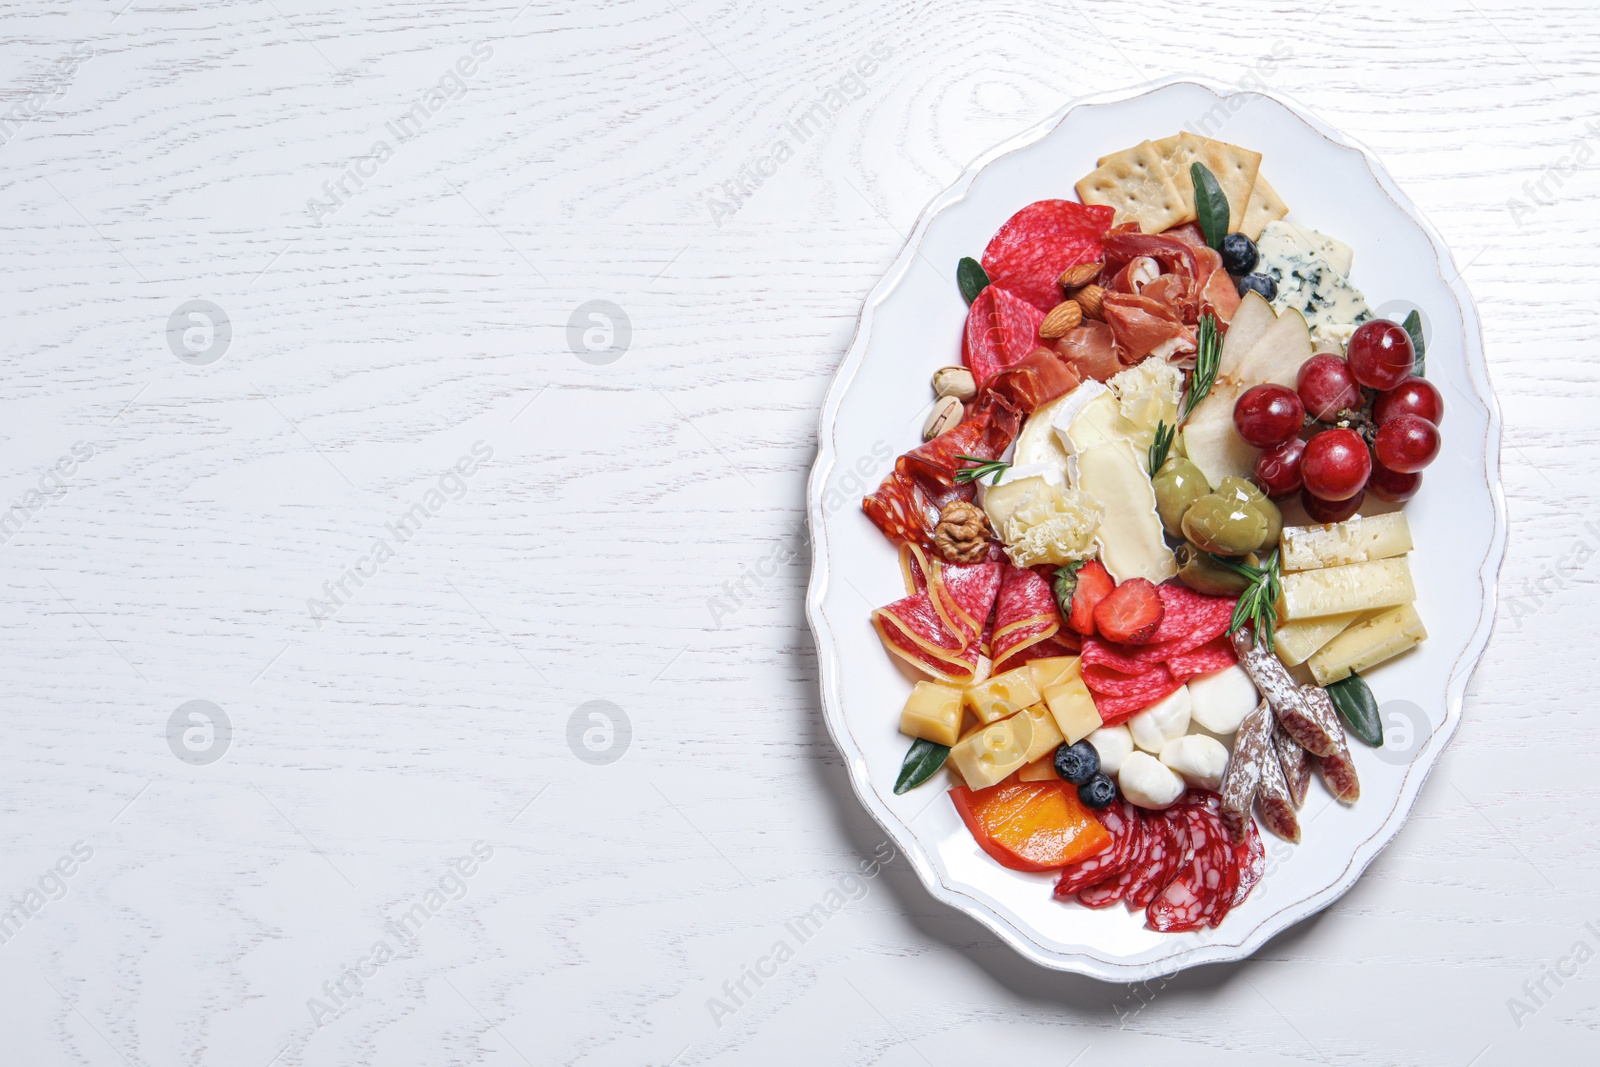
[1130, 614]
[1094, 585]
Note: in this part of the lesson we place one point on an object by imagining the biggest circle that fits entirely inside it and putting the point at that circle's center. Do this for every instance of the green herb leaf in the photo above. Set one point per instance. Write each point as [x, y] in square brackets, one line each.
[971, 277]
[1210, 203]
[1065, 584]
[1207, 360]
[1161, 445]
[922, 760]
[1358, 708]
[983, 469]
[1257, 606]
[1413, 325]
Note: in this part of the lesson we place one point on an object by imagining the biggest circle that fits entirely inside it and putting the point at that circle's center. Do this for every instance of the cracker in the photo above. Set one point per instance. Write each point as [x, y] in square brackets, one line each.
[1176, 155]
[1265, 206]
[1136, 185]
[1235, 169]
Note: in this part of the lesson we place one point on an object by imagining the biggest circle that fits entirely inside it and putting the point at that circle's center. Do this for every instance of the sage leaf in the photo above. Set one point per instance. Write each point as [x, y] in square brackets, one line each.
[1413, 326]
[971, 277]
[1358, 708]
[1210, 204]
[922, 760]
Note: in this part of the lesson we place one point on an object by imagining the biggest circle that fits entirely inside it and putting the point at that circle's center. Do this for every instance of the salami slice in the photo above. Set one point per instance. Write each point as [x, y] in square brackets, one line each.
[1025, 615]
[1250, 855]
[1117, 710]
[1206, 883]
[1215, 655]
[1121, 820]
[1189, 620]
[911, 629]
[1112, 684]
[1166, 859]
[1036, 244]
[963, 595]
[1002, 329]
[1146, 835]
[1295, 763]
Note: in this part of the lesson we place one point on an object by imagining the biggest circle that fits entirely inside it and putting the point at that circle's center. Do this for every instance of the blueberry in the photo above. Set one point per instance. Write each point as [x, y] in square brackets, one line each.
[1097, 792]
[1239, 254]
[1077, 763]
[1261, 283]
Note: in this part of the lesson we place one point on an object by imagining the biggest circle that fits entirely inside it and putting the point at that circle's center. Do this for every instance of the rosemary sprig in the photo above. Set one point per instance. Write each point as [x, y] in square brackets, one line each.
[1258, 604]
[1161, 445]
[1208, 357]
[983, 469]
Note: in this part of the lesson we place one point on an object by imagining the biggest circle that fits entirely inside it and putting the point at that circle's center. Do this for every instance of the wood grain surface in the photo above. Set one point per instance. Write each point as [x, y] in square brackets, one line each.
[172, 519]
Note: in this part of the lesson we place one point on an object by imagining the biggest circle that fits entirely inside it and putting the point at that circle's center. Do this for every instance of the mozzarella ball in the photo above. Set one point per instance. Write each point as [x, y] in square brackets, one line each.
[1222, 699]
[1113, 743]
[1148, 782]
[1201, 760]
[1165, 720]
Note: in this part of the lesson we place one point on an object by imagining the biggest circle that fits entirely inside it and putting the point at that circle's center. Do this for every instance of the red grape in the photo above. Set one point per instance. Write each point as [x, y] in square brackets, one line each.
[1380, 354]
[1335, 465]
[1414, 396]
[1322, 510]
[1406, 443]
[1391, 486]
[1278, 469]
[1268, 415]
[1326, 387]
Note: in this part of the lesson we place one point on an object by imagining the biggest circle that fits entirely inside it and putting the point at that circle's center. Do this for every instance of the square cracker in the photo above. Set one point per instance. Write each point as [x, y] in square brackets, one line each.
[1135, 183]
[1265, 206]
[1234, 168]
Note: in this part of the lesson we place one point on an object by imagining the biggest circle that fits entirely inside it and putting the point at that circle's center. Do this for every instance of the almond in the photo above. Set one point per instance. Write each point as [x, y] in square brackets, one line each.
[1079, 276]
[1063, 317]
[1090, 299]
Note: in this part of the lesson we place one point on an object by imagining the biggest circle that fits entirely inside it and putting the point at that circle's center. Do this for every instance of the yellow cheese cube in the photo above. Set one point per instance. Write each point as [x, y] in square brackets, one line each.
[1368, 643]
[1053, 671]
[1042, 769]
[1003, 695]
[1379, 583]
[933, 713]
[1046, 734]
[1295, 641]
[1073, 708]
[1340, 543]
[989, 755]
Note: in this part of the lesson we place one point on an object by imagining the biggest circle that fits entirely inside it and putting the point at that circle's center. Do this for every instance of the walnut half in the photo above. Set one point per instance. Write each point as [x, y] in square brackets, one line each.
[962, 535]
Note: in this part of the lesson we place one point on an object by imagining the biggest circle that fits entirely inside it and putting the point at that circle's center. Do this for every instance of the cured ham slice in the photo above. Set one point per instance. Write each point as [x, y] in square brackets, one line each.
[1002, 328]
[1174, 255]
[1025, 617]
[1039, 378]
[1036, 244]
[1092, 351]
[1140, 325]
[906, 506]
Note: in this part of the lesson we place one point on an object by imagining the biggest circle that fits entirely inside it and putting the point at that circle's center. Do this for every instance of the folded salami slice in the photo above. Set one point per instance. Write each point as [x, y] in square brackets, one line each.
[1121, 820]
[1002, 329]
[1189, 620]
[1112, 684]
[1215, 655]
[1273, 806]
[1029, 252]
[911, 629]
[964, 596]
[1117, 710]
[1252, 746]
[1025, 615]
[1166, 859]
[1295, 763]
[1146, 835]
[906, 506]
[1203, 889]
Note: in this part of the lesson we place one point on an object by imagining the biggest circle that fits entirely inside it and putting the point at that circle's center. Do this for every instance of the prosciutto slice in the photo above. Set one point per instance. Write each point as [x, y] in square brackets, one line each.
[1140, 325]
[1025, 618]
[1092, 350]
[906, 506]
[1039, 378]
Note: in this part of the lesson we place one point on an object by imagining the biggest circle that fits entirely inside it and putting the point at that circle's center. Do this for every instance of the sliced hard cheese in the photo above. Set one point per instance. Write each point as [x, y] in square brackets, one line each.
[1053, 670]
[1294, 642]
[1046, 734]
[1072, 706]
[1042, 769]
[985, 757]
[1130, 538]
[1381, 583]
[1337, 544]
[1003, 695]
[1368, 643]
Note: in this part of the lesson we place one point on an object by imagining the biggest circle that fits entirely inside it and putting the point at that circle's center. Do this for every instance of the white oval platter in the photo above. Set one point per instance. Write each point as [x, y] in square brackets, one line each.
[911, 324]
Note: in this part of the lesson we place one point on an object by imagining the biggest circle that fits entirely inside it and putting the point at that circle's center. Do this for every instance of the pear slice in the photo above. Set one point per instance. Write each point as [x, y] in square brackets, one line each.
[1209, 439]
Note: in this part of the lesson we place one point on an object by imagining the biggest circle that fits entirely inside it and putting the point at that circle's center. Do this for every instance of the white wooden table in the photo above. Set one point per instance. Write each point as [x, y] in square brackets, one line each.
[393, 213]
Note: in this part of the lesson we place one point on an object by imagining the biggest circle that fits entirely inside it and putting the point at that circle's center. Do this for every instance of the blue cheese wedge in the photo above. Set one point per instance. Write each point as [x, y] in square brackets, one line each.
[1310, 270]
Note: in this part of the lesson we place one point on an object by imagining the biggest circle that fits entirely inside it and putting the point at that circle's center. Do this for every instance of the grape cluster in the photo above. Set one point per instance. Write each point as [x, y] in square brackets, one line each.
[1374, 425]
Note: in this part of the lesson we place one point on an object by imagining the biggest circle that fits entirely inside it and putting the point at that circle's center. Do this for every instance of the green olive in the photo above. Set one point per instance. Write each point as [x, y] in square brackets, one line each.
[1178, 484]
[1247, 492]
[1203, 574]
[1220, 524]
